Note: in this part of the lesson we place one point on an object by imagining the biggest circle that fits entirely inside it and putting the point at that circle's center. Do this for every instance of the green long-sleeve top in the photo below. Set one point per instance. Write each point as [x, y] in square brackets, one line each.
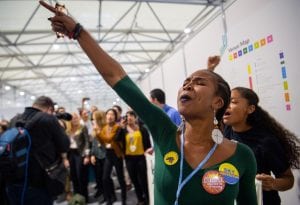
[166, 172]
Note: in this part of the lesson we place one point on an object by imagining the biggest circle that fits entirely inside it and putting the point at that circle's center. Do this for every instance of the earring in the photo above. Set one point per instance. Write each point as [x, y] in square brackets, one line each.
[216, 134]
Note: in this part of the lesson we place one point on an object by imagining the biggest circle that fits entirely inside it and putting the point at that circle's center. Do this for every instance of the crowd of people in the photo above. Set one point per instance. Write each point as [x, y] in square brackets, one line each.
[210, 151]
[112, 142]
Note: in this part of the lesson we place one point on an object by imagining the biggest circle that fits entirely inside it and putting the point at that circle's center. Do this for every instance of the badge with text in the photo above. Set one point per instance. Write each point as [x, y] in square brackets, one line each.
[230, 173]
[213, 182]
[132, 148]
[171, 158]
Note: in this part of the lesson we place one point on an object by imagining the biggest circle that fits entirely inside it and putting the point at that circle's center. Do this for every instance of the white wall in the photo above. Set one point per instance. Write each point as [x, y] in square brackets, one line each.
[279, 19]
[250, 20]
[174, 76]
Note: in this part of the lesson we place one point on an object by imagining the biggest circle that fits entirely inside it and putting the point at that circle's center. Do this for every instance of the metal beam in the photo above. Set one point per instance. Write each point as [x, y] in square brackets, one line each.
[81, 52]
[192, 2]
[74, 43]
[27, 23]
[63, 76]
[104, 30]
[118, 21]
[54, 66]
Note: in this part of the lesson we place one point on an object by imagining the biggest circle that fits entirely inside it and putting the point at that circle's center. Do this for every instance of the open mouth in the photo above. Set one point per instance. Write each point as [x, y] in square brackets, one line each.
[185, 98]
[226, 115]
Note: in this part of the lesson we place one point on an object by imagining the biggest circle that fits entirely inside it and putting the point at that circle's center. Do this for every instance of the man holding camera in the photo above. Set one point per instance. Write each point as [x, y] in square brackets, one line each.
[48, 144]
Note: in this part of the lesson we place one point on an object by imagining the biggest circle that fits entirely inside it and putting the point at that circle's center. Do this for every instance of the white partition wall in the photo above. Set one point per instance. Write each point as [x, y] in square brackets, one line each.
[270, 67]
[157, 79]
[174, 75]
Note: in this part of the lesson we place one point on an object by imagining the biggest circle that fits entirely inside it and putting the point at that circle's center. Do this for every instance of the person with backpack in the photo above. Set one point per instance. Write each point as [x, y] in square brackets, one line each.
[3, 198]
[49, 143]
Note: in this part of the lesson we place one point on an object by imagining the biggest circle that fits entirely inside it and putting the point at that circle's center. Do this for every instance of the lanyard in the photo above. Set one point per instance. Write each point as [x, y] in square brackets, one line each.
[200, 165]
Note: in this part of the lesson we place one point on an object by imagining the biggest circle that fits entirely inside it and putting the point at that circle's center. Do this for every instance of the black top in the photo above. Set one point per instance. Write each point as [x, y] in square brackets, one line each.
[48, 142]
[269, 154]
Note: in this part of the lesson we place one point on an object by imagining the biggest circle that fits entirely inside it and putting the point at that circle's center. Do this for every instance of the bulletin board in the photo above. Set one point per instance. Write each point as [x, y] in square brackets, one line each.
[263, 54]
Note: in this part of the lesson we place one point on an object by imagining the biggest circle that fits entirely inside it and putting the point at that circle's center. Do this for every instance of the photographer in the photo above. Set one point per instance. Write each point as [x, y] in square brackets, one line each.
[49, 142]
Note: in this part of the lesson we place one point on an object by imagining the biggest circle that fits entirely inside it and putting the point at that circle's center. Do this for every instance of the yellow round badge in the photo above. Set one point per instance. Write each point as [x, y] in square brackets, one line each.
[171, 158]
[230, 173]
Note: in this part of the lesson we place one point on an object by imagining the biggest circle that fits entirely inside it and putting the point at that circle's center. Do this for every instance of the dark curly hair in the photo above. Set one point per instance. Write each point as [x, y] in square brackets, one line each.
[263, 119]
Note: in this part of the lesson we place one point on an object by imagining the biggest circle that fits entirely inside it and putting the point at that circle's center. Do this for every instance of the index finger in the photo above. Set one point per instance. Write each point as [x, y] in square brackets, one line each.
[48, 6]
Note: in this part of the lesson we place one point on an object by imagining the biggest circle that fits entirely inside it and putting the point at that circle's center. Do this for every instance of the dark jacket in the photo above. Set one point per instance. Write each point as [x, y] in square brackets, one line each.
[48, 142]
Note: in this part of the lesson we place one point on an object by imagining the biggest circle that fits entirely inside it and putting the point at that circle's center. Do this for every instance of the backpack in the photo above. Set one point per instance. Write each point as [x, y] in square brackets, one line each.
[15, 144]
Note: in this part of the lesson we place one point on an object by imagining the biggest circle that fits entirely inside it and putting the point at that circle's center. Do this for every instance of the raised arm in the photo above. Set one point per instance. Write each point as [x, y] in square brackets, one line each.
[212, 62]
[112, 72]
[110, 69]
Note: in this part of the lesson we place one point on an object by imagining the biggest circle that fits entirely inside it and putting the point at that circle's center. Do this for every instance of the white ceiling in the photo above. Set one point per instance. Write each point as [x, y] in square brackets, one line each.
[139, 34]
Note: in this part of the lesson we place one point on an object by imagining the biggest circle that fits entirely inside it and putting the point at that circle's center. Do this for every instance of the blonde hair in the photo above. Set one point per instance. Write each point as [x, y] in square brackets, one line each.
[99, 118]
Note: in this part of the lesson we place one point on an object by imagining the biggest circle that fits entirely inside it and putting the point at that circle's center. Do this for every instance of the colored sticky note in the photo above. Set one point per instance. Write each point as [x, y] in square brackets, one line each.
[262, 42]
[285, 85]
[250, 83]
[270, 38]
[256, 45]
[245, 50]
[288, 107]
[235, 55]
[230, 57]
[283, 72]
[281, 55]
[240, 53]
[287, 97]
[249, 69]
[250, 48]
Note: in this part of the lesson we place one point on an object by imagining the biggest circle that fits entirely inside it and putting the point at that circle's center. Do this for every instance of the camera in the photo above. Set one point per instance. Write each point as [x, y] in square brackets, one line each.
[64, 116]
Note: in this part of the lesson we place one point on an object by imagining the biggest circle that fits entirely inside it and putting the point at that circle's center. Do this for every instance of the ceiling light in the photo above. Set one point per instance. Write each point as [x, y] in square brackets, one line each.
[22, 93]
[79, 91]
[147, 70]
[114, 103]
[56, 46]
[7, 87]
[118, 99]
[32, 97]
[187, 30]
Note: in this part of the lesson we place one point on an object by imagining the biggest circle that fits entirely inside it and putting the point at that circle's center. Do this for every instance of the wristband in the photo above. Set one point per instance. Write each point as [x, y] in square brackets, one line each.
[76, 32]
